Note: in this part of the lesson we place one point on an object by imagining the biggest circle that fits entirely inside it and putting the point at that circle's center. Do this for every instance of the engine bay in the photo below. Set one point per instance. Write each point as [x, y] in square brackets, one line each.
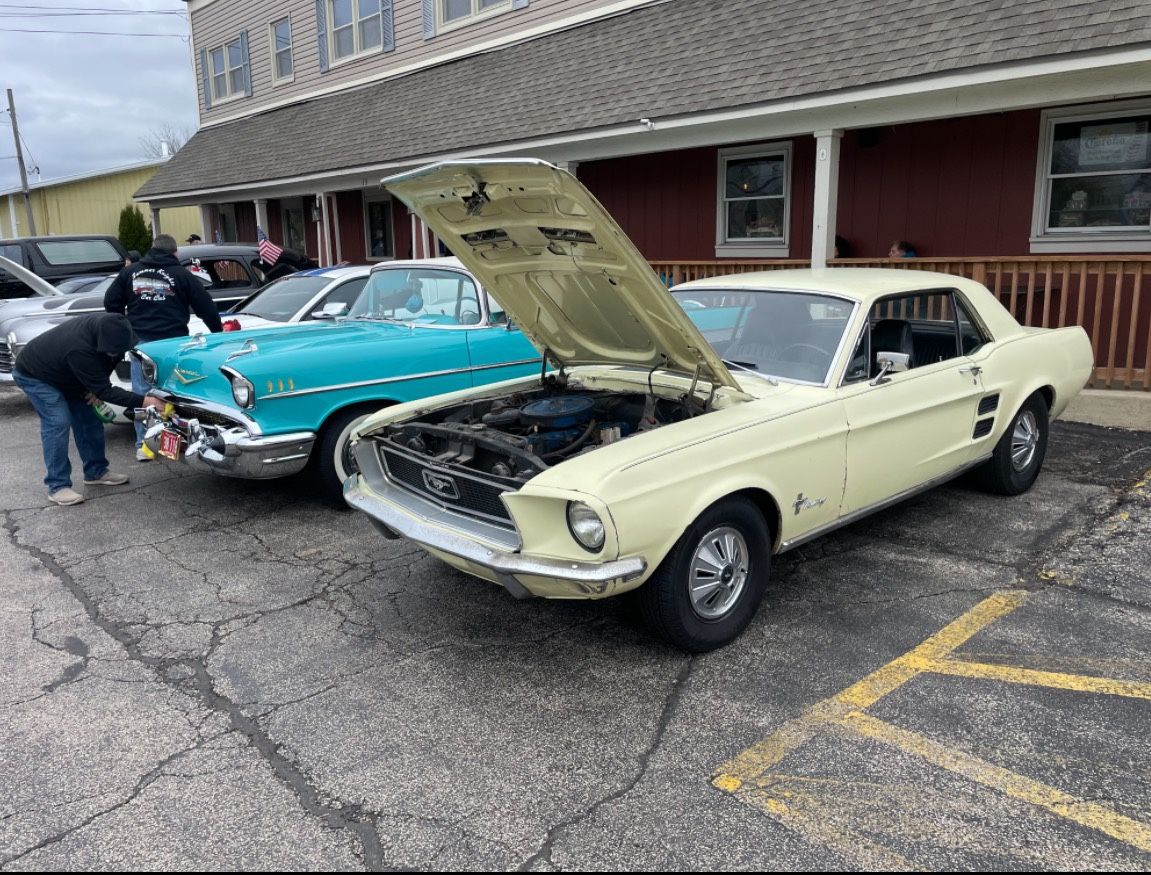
[514, 437]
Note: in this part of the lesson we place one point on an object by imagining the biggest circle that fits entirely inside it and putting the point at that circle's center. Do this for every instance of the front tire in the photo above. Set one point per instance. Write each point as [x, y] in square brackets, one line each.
[1018, 456]
[708, 588]
[334, 462]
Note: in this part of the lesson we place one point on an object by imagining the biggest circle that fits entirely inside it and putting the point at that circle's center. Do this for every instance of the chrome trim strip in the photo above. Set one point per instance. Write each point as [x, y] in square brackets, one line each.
[588, 578]
[857, 515]
[400, 379]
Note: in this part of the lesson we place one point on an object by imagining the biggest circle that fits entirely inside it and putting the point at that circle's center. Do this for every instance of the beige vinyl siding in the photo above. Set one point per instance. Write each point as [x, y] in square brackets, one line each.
[222, 21]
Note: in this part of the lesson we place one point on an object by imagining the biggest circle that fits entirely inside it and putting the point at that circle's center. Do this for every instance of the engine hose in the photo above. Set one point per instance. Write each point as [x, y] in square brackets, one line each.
[574, 445]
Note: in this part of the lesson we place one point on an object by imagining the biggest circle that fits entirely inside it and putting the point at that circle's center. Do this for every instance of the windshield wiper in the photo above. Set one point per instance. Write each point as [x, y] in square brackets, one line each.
[746, 366]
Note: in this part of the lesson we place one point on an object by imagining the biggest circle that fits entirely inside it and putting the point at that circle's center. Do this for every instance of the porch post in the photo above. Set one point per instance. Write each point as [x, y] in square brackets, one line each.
[326, 238]
[156, 221]
[571, 167]
[262, 214]
[206, 223]
[826, 196]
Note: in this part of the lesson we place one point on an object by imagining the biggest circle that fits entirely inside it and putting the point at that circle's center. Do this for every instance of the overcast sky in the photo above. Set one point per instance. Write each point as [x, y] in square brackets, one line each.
[83, 101]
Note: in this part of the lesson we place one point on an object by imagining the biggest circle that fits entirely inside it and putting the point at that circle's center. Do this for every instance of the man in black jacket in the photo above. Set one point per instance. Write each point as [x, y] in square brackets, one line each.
[64, 372]
[158, 295]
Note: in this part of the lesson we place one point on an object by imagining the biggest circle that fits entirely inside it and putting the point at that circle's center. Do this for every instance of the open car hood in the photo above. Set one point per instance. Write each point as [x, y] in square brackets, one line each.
[558, 264]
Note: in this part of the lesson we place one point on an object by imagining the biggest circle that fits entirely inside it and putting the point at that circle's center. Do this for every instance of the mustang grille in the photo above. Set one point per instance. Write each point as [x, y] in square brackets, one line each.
[477, 497]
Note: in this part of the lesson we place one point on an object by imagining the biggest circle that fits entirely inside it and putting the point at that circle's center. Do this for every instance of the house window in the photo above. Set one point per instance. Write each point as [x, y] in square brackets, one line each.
[281, 36]
[453, 12]
[753, 201]
[1094, 181]
[229, 70]
[378, 228]
[357, 27]
[295, 236]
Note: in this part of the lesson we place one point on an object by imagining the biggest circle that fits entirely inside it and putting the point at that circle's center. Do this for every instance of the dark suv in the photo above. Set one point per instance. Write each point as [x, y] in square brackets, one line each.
[59, 257]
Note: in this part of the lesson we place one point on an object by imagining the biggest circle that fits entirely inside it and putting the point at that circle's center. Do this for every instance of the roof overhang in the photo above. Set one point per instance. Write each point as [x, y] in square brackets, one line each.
[1066, 79]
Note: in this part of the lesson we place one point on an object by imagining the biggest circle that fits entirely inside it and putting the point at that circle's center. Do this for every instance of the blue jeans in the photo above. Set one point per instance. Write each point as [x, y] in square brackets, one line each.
[58, 415]
[141, 387]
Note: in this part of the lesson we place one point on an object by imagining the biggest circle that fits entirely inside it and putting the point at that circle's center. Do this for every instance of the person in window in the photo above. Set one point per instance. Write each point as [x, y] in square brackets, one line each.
[842, 247]
[193, 239]
[901, 249]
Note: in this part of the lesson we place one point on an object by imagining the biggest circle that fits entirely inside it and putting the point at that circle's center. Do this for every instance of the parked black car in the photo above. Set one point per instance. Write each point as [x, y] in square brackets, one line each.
[59, 257]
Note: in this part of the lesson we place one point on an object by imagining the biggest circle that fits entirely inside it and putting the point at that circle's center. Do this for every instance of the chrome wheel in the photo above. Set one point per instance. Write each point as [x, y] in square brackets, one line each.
[1024, 440]
[718, 573]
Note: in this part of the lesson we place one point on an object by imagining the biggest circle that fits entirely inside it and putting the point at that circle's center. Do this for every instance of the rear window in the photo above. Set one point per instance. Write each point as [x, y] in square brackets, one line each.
[78, 251]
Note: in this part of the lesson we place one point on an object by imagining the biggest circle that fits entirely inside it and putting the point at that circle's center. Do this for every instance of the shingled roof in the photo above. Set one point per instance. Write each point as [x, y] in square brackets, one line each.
[673, 58]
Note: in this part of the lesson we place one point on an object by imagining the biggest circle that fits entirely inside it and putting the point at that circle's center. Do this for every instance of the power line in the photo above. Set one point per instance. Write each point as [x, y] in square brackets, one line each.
[87, 32]
[39, 7]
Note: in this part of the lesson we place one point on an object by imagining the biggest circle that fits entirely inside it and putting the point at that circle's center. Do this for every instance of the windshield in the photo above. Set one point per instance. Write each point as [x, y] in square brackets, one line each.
[789, 335]
[282, 299]
[420, 295]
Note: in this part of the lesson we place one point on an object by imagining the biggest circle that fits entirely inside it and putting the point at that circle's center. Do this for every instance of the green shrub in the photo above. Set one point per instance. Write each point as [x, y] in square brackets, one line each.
[133, 233]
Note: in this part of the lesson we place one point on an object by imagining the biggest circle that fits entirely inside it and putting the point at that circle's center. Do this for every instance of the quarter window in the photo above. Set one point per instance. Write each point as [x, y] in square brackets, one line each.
[357, 26]
[282, 65]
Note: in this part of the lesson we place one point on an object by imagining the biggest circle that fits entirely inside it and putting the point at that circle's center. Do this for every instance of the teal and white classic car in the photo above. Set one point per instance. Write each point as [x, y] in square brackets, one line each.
[265, 403]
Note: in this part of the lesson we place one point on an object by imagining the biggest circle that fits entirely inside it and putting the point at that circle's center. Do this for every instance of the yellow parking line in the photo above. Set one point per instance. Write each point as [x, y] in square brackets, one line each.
[1058, 680]
[761, 757]
[1089, 814]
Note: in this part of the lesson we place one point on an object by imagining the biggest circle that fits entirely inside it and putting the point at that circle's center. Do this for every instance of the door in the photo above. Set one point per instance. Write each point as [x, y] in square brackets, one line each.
[916, 426]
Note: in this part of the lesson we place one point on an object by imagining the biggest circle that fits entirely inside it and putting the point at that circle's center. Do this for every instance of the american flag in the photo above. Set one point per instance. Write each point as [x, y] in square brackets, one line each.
[269, 252]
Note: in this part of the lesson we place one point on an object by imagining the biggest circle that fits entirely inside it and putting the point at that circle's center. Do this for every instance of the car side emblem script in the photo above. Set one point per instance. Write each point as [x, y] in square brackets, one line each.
[802, 503]
[187, 377]
[444, 487]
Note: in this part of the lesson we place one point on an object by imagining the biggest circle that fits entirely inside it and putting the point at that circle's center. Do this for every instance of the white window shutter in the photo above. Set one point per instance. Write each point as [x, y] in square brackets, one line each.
[387, 25]
[429, 19]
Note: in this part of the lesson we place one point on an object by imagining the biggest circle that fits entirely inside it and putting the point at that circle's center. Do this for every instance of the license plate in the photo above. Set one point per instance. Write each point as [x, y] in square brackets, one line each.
[170, 445]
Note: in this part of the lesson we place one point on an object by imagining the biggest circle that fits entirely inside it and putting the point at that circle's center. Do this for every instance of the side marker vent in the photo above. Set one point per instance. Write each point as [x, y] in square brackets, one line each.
[989, 404]
[983, 427]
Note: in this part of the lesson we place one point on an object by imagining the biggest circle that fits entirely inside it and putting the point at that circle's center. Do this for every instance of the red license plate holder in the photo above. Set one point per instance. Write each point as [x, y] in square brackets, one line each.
[171, 445]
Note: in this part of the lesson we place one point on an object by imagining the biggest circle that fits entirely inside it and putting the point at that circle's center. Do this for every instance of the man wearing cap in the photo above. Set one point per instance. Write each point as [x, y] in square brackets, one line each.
[158, 295]
[64, 372]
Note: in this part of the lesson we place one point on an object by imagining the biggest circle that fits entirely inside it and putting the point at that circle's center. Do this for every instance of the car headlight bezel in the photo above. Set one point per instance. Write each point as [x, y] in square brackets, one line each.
[147, 366]
[243, 392]
[586, 526]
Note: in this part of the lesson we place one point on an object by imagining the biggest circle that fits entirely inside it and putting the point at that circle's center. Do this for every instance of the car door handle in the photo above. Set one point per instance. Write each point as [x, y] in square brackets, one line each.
[973, 370]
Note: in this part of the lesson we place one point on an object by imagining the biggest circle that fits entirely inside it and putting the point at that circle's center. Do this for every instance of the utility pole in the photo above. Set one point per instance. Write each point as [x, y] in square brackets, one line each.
[20, 161]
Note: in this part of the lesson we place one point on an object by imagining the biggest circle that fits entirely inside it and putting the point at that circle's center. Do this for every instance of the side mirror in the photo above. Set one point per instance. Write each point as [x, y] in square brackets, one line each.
[331, 310]
[890, 363]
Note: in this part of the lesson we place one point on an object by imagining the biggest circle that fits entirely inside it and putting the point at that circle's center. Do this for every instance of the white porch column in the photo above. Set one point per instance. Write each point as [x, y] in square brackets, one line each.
[206, 223]
[571, 167]
[826, 196]
[156, 221]
[326, 236]
[262, 215]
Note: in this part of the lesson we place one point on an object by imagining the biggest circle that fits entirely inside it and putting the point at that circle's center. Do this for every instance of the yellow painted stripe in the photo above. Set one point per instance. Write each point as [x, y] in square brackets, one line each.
[854, 847]
[899, 671]
[1092, 815]
[764, 755]
[1058, 680]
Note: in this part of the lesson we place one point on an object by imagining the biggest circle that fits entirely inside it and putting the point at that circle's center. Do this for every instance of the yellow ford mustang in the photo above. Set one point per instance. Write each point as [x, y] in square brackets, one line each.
[674, 441]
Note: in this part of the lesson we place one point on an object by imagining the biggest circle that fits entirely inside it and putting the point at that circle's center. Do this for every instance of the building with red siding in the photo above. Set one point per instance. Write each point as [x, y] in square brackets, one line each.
[1015, 134]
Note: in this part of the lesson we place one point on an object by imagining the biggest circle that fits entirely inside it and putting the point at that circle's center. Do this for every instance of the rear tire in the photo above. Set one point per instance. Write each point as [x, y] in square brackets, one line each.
[1018, 456]
[333, 460]
[708, 588]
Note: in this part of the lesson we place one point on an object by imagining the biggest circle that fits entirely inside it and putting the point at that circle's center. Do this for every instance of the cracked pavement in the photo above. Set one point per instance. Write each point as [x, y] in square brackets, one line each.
[212, 674]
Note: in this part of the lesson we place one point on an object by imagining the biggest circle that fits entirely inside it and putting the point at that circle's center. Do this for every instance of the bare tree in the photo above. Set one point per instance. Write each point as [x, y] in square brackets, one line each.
[165, 135]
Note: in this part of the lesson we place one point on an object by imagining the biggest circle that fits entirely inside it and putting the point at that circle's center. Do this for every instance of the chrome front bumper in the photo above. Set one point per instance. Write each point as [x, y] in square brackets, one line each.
[233, 452]
[397, 512]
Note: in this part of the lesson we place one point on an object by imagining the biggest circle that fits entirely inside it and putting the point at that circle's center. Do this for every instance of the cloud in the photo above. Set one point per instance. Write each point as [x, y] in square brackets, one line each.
[84, 101]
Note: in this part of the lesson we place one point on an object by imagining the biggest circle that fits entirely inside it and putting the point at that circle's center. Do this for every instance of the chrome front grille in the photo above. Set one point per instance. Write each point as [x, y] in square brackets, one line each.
[206, 417]
[468, 494]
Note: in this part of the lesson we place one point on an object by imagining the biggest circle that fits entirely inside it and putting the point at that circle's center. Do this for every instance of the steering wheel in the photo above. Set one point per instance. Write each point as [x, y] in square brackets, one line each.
[468, 317]
[824, 354]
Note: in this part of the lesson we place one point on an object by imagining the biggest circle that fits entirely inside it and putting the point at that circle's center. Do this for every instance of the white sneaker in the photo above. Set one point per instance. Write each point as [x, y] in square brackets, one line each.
[142, 455]
[65, 497]
[108, 479]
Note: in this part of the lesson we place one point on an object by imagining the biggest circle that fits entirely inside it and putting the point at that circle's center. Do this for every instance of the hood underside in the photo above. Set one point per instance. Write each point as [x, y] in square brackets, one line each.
[558, 264]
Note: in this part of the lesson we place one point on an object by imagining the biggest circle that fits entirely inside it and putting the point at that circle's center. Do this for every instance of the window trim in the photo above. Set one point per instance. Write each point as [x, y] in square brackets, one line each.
[443, 26]
[746, 248]
[273, 52]
[217, 100]
[1079, 239]
[335, 60]
[376, 199]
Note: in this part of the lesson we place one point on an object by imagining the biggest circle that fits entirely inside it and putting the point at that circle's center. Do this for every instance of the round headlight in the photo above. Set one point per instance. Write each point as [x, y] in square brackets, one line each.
[147, 368]
[586, 526]
[243, 391]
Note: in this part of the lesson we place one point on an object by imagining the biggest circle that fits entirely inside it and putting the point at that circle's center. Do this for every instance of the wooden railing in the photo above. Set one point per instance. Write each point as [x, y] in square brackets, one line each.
[1103, 294]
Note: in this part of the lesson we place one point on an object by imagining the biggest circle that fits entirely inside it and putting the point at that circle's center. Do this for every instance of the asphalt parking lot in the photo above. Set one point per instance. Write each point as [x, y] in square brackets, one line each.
[212, 674]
